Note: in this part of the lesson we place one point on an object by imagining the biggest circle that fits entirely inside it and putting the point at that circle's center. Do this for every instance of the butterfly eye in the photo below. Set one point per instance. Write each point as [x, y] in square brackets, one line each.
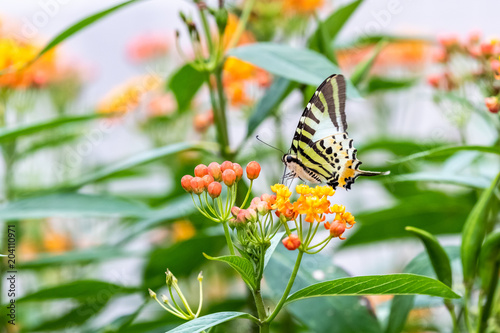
[289, 159]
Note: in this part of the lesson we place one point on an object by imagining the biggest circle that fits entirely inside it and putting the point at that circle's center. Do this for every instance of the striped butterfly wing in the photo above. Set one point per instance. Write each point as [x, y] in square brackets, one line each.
[324, 115]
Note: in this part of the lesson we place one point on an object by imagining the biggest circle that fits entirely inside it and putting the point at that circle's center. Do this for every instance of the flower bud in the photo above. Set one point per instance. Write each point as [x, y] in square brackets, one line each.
[255, 201]
[238, 170]
[250, 215]
[186, 183]
[170, 278]
[164, 299]
[198, 185]
[200, 170]
[492, 104]
[226, 165]
[337, 228]
[241, 218]
[253, 170]
[215, 171]
[200, 276]
[487, 49]
[207, 180]
[235, 211]
[152, 293]
[214, 189]
[262, 208]
[434, 80]
[229, 177]
[291, 242]
[270, 199]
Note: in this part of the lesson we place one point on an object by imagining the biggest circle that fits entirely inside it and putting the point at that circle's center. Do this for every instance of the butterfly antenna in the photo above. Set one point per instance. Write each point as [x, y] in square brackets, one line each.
[267, 144]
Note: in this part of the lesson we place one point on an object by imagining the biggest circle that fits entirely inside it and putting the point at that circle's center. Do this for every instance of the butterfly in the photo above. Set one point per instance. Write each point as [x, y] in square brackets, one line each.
[321, 150]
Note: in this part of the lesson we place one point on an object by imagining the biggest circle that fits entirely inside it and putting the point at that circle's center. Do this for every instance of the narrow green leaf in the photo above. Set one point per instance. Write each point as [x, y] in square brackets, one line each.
[7, 134]
[439, 258]
[444, 178]
[140, 159]
[274, 244]
[382, 84]
[489, 259]
[52, 142]
[268, 104]
[474, 231]
[447, 151]
[77, 316]
[300, 65]
[394, 284]
[184, 84]
[362, 70]
[81, 290]
[78, 27]
[72, 205]
[333, 24]
[202, 323]
[243, 266]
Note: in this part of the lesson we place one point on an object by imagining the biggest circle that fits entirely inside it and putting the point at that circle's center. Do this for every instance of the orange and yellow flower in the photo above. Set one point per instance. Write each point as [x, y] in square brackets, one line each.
[302, 6]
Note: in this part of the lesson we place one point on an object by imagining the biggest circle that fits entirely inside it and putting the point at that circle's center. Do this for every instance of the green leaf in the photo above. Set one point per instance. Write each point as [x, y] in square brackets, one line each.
[184, 84]
[78, 27]
[436, 212]
[333, 24]
[71, 205]
[444, 178]
[362, 70]
[175, 209]
[80, 290]
[489, 259]
[402, 305]
[181, 258]
[76, 257]
[439, 258]
[7, 134]
[300, 65]
[268, 104]
[274, 243]
[202, 323]
[77, 316]
[243, 266]
[474, 231]
[326, 314]
[381, 84]
[393, 284]
[140, 159]
[448, 151]
[52, 142]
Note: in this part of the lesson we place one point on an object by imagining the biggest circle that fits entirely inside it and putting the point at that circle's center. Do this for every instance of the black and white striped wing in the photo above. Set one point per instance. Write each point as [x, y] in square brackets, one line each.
[323, 116]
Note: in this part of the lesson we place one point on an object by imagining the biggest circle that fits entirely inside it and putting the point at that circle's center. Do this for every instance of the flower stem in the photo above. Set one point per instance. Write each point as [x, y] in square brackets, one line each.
[287, 289]
[248, 194]
[242, 24]
[228, 238]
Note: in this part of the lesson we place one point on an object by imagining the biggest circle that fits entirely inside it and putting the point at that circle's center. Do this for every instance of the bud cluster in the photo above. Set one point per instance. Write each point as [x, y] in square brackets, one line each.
[209, 181]
[173, 307]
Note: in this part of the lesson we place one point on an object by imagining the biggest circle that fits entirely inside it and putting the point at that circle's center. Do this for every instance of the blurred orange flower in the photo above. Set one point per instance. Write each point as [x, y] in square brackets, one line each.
[147, 47]
[128, 96]
[238, 73]
[302, 6]
[15, 54]
[182, 230]
[403, 53]
[161, 105]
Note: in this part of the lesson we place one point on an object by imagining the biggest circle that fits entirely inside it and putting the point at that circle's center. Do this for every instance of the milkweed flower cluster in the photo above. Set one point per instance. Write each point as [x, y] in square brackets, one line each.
[481, 56]
[313, 207]
[171, 305]
[207, 182]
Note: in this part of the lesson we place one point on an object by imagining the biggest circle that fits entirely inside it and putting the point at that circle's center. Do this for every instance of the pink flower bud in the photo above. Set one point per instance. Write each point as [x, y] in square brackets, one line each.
[200, 170]
[250, 215]
[207, 180]
[337, 228]
[229, 177]
[492, 104]
[238, 170]
[198, 185]
[215, 171]
[226, 165]
[253, 170]
[186, 183]
[262, 208]
[235, 210]
[291, 242]
[214, 189]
